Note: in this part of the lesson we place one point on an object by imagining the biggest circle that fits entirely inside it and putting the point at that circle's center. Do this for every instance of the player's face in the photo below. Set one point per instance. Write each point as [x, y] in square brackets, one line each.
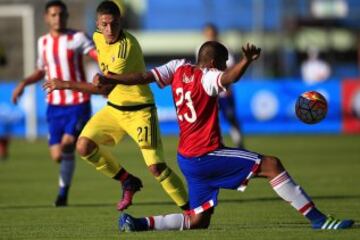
[56, 17]
[109, 26]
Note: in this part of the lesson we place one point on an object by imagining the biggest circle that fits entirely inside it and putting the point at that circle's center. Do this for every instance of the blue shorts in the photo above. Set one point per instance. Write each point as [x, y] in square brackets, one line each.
[227, 168]
[66, 120]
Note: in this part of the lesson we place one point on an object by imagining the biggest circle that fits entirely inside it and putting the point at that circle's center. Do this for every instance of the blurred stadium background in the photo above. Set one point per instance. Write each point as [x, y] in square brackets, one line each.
[326, 164]
[284, 29]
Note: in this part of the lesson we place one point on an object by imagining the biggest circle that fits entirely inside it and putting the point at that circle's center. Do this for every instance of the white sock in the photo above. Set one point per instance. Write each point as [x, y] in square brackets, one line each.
[175, 221]
[288, 190]
[67, 168]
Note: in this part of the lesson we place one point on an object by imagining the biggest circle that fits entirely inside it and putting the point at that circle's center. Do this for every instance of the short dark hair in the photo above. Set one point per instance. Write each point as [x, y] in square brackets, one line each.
[57, 3]
[108, 7]
[212, 50]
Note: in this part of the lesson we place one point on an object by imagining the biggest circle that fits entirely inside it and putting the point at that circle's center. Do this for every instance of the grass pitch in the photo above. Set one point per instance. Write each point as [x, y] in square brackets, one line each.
[326, 166]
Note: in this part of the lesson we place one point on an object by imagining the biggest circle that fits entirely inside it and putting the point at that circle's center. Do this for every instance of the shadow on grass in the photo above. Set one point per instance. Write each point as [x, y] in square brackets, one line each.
[159, 203]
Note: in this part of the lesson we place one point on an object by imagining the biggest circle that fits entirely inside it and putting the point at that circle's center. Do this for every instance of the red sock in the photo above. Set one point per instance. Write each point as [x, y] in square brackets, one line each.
[122, 175]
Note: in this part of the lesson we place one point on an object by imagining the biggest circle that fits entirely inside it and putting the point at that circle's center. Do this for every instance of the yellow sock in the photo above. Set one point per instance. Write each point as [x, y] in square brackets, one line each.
[173, 186]
[104, 161]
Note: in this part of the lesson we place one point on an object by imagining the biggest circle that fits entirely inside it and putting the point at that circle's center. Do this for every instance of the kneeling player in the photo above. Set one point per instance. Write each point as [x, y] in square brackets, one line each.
[207, 165]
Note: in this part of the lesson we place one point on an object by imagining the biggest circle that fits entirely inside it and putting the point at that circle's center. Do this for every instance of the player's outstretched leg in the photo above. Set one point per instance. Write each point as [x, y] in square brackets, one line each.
[331, 223]
[175, 221]
[288, 190]
[128, 223]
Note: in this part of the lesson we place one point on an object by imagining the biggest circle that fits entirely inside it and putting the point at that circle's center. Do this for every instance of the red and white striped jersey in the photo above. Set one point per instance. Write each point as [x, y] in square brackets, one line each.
[61, 57]
[195, 94]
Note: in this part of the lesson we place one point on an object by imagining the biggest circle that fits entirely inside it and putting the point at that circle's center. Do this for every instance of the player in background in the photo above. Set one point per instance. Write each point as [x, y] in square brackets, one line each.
[314, 69]
[130, 111]
[60, 54]
[206, 163]
[226, 99]
[4, 126]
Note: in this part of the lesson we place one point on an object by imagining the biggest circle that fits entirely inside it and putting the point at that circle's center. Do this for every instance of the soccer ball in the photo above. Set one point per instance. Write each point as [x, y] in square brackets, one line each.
[311, 107]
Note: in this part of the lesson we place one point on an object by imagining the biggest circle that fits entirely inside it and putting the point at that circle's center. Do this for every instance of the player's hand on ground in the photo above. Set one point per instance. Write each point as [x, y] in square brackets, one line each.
[18, 91]
[54, 84]
[251, 52]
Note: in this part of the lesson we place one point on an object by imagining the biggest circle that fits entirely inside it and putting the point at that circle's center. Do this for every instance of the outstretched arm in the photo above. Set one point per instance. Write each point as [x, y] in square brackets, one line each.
[233, 74]
[54, 84]
[33, 78]
[126, 79]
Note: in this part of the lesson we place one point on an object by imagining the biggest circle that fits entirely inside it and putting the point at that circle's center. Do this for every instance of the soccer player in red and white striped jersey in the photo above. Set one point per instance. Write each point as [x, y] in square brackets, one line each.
[60, 56]
[206, 163]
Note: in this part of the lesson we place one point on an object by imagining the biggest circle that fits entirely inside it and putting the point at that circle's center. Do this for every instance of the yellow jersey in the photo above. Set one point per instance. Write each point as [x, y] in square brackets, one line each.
[123, 56]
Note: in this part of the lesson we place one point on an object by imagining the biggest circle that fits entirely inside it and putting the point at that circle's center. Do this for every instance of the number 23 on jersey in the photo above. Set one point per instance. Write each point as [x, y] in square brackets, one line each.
[182, 97]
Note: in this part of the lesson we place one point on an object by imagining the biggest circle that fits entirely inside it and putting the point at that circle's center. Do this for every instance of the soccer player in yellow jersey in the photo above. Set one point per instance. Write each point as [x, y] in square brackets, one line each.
[130, 110]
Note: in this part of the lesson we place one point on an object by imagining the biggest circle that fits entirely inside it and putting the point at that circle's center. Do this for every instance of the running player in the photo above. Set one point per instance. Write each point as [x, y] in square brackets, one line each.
[205, 162]
[130, 110]
[60, 56]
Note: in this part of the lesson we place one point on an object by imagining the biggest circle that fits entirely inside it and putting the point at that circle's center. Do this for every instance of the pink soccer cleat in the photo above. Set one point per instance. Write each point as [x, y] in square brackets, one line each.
[130, 186]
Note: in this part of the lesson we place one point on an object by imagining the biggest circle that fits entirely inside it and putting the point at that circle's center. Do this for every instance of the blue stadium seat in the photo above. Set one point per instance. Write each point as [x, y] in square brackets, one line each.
[229, 14]
[348, 70]
[193, 14]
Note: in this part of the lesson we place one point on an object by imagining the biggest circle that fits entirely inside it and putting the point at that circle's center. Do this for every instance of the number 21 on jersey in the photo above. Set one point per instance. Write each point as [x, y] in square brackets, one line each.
[185, 98]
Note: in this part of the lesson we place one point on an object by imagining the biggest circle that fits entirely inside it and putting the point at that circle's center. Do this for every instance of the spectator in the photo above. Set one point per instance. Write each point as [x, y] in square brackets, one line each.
[4, 126]
[9, 115]
[313, 69]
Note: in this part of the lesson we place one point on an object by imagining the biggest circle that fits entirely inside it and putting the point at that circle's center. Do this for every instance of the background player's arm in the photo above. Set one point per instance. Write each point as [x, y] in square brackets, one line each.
[233, 74]
[56, 84]
[93, 54]
[126, 79]
[35, 77]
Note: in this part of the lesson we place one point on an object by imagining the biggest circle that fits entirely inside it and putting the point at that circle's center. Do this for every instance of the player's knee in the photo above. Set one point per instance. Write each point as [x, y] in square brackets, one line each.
[157, 169]
[274, 166]
[200, 224]
[201, 221]
[68, 147]
[67, 141]
[85, 146]
[278, 167]
[56, 157]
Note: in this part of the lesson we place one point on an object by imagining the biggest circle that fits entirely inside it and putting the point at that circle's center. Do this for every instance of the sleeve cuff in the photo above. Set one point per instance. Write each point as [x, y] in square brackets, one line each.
[221, 87]
[157, 76]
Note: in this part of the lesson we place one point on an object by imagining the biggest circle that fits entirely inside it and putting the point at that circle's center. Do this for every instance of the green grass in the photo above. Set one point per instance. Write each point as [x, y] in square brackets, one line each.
[327, 167]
